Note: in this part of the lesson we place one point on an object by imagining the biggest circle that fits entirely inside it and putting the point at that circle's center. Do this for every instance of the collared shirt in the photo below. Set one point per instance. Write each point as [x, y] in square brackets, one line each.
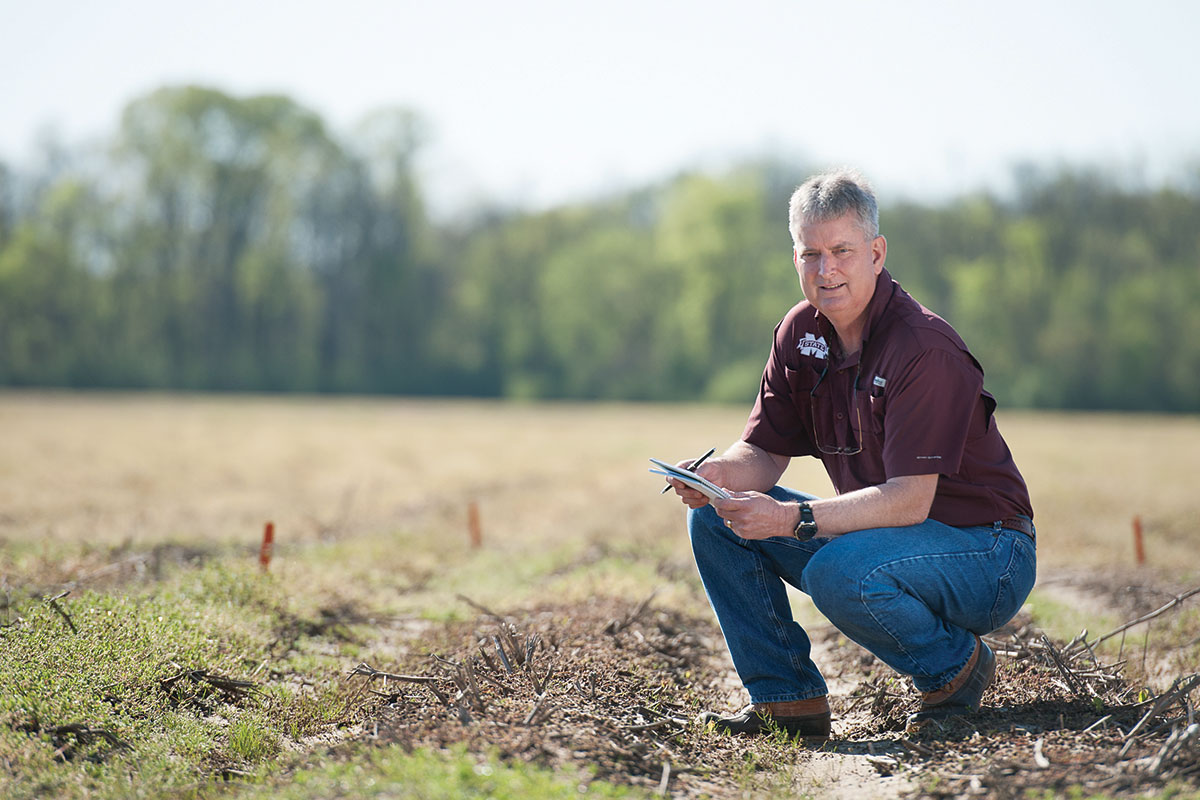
[909, 402]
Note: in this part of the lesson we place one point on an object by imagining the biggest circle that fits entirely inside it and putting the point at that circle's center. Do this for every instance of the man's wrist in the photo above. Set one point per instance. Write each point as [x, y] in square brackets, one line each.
[805, 527]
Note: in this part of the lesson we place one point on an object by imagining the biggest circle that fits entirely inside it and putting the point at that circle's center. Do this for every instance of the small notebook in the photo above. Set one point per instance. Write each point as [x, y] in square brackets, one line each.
[707, 488]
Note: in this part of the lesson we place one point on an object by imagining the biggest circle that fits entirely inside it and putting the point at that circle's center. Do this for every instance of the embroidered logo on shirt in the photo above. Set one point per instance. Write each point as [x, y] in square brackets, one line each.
[813, 345]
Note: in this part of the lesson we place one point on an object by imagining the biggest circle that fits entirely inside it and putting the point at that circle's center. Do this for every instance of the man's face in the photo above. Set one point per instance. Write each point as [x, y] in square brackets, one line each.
[838, 264]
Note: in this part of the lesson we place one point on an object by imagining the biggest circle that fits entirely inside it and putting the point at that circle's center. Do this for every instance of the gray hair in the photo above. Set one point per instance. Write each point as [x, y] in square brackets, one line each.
[831, 195]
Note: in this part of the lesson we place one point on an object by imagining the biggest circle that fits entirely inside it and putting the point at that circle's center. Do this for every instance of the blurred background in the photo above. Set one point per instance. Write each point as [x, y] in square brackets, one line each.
[539, 199]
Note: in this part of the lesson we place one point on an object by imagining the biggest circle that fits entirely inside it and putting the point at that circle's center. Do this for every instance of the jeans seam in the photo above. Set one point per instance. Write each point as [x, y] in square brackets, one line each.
[1004, 584]
[1007, 577]
[776, 622]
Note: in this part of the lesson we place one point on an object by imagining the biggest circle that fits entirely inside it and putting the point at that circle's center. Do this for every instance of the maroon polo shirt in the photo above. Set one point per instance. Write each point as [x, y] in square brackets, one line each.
[911, 398]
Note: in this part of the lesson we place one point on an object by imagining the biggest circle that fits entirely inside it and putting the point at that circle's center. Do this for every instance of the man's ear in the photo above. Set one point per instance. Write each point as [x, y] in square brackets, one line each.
[878, 253]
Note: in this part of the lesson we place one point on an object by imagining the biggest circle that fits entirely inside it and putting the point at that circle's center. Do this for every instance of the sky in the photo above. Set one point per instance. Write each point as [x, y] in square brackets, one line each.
[539, 102]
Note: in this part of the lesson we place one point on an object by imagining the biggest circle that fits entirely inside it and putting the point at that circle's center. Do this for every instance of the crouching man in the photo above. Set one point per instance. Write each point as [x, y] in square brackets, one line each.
[929, 541]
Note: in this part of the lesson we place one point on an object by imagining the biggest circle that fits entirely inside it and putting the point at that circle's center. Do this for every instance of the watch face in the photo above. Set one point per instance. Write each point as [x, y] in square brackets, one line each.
[806, 528]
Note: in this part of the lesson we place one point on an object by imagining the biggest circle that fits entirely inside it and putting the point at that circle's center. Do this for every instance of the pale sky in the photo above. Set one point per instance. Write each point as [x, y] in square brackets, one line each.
[540, 101]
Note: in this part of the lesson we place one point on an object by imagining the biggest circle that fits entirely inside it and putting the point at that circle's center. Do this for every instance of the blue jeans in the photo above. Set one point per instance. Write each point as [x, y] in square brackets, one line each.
[914, 596]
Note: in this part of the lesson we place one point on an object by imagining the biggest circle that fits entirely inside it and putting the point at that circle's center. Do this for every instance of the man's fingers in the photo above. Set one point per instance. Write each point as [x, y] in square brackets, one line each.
[727, 507]
[690, 497]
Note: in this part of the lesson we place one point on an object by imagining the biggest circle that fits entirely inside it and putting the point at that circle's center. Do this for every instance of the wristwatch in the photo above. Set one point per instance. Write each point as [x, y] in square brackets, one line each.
[806, 528]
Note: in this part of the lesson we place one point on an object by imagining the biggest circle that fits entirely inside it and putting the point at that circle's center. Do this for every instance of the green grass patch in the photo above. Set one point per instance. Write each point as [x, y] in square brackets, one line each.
[430, 775]
[1062, 621]
[165, 685]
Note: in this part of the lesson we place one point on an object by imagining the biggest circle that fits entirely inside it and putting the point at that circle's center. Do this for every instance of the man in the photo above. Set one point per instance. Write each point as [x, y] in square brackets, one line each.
[929, 541]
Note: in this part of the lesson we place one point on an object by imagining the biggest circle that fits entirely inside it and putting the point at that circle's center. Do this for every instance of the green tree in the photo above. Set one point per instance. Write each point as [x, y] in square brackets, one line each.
[210, 174]
[253, 226]
[730, 256]
[403, 288]
[601, 296]
[50, 306]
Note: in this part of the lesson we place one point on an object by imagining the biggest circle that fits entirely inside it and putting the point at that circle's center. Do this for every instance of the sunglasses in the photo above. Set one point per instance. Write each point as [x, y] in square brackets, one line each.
[856, 431]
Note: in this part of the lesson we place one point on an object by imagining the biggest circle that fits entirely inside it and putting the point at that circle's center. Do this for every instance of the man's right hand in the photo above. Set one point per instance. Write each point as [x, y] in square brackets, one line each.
[711, 470]
[743, 467]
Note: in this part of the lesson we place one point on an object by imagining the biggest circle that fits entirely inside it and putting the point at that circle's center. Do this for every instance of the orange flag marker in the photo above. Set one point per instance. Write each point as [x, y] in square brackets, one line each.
[474, 530]
[1139, 546]
[264, 555]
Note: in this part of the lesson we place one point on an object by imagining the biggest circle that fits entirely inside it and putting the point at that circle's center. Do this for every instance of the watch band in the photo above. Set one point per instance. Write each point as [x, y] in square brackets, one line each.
[806, 528]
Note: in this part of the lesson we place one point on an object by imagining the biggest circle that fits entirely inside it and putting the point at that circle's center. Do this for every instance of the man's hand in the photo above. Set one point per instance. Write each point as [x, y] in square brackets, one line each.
[713, 471]
[742, 467]
[753, 515]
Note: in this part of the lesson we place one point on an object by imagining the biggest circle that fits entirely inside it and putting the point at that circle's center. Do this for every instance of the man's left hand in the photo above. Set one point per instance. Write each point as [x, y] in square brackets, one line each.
[753, 515]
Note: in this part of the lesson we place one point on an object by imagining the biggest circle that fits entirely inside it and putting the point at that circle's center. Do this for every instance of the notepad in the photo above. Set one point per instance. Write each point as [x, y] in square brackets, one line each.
[705, 487]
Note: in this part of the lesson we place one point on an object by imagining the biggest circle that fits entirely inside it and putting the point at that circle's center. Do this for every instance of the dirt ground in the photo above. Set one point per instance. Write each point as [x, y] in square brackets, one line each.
[615, 687]
[611, 688]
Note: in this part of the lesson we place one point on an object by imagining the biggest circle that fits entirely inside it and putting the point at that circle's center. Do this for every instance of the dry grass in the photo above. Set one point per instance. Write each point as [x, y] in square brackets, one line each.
[85, 478]
[143, 469]
[370, 501]
[1091, 474]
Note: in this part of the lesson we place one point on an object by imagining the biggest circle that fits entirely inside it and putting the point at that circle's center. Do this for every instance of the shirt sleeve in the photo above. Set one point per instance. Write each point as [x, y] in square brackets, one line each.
[776, 424]
[928, 416]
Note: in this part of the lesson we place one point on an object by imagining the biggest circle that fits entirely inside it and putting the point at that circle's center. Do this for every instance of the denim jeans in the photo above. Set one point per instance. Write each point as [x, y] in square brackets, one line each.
[914, 596]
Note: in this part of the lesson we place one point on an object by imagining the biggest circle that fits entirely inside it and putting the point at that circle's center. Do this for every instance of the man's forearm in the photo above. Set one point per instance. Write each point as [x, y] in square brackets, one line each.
[899, 502]
[746, 468]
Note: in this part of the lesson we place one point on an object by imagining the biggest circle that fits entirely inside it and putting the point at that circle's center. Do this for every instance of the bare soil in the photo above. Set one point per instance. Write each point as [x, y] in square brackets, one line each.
[609, 689]
[612, 688]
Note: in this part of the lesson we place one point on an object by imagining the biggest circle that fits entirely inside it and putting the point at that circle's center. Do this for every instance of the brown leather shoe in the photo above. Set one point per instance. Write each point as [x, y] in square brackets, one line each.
[963, 694]
[761, 718]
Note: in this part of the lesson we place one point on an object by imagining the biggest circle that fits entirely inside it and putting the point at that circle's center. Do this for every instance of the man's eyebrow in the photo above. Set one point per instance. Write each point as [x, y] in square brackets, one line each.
[833, 246]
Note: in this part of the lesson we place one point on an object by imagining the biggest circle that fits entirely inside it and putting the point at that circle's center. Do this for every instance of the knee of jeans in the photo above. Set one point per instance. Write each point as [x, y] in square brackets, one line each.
[831, 582]
[703, 518]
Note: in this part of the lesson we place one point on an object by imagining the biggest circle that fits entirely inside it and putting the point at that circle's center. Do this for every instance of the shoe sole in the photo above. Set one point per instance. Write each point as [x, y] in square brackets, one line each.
[950, 708]
[760, 726]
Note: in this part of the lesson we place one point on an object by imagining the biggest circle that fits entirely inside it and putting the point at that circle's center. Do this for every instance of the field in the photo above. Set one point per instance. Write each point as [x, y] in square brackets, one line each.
[560, 643]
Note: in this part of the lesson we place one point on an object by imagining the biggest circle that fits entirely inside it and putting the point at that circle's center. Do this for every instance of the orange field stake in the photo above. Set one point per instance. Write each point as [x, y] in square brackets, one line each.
[264, 555]
[474, 530]
[1139, 546]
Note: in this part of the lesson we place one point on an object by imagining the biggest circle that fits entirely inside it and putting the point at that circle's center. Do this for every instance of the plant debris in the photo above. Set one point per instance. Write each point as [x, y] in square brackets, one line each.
[196, 685]
[72, 740]
[614, 688]
[606, 686]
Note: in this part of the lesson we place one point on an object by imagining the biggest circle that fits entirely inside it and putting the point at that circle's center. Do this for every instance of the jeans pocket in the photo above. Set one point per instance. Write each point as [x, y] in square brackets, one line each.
[1016, 582]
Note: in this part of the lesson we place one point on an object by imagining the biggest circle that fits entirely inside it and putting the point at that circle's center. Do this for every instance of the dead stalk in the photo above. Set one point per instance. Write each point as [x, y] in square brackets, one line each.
[1073, 682]
[503, 656]
[1180, 688]
[616, 626]
[533, 712]
[371, 673]
[481, 608]
[53, 601]
[486, 658]
[1147, 617]
[1039, 758]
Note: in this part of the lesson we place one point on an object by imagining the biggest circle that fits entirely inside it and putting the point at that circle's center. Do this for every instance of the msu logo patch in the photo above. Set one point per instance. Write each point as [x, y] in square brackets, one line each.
[812, 345]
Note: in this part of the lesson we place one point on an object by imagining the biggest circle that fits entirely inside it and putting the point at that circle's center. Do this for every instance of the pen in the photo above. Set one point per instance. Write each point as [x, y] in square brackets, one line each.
[695, 464]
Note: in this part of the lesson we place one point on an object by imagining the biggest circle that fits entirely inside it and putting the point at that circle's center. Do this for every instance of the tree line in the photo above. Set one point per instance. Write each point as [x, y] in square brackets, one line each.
[227, 243]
